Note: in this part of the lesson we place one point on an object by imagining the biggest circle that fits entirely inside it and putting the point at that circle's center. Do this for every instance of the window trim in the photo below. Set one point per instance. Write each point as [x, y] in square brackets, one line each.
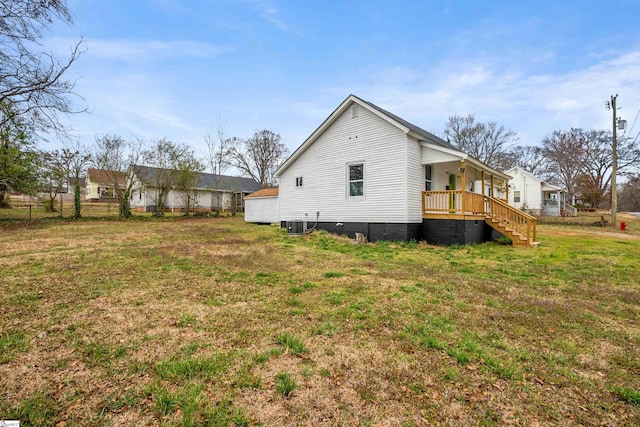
[428, 178]
[349, 180]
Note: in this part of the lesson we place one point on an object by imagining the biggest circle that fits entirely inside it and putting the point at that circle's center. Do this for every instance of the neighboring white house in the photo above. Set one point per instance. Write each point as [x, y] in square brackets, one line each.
[369, 171]
[535, 196]
[209, 193]
[262, 207]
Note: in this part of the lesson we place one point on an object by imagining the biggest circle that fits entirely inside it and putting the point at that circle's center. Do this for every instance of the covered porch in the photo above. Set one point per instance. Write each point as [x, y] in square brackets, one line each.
[467, 190]
[554, 202]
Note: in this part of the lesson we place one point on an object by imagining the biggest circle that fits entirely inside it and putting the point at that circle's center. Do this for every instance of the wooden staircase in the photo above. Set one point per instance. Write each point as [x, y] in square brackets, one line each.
[518, 239]
[519, 226]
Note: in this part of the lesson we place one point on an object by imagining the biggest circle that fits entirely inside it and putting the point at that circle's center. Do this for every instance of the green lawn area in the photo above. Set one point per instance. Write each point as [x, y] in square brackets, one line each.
[211, 321]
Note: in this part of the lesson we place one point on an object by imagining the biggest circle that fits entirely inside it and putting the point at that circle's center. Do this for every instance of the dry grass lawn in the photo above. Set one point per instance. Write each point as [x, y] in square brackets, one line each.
[217, 322]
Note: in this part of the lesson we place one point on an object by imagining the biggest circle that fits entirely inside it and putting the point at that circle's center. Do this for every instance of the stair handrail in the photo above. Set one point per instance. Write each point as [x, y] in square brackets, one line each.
[520, 221]
[570, 208]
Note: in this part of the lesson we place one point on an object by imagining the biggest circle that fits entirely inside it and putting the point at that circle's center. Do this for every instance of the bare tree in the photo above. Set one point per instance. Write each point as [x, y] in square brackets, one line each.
[53, 177]
[189, 172]
[259, 156]
[595, 181]
[629, 195]
[118, 157]
[566, 154]
[218, 157]
[79, 157]
[486, 142]
[31, 80]
[530, 158]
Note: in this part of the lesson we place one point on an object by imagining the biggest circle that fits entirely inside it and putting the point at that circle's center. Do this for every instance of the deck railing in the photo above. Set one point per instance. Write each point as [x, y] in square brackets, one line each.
[446, 201]
[469, 203]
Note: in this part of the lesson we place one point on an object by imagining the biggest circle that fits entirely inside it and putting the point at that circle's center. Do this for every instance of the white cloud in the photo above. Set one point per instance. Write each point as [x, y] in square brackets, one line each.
[534, 105]
[153, 49]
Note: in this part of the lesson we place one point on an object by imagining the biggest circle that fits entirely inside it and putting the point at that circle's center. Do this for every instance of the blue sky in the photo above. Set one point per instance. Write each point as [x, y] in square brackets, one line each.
[169, 68]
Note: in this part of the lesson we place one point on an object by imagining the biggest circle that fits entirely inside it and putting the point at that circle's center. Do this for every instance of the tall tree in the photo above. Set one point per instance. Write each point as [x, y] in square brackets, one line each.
[566, 154]
[487, 142]
[79, 157]
[218, 157]
[259, 156]
[595, 181]
[18, 158]
[32, 81]
[53, 177]
[117, 157]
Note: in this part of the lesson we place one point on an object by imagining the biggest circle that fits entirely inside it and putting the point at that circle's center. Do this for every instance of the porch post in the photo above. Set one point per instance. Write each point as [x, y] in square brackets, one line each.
[506, 186]
[483, 183]
[463, 182]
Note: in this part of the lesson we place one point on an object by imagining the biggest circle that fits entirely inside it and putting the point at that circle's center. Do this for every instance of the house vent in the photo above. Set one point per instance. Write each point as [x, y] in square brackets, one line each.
[355, 111]
[296, 228]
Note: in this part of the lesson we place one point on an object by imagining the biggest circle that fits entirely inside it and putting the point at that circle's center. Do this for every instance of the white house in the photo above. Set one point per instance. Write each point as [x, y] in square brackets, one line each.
[262, 207]
[537, 197]
[208, 194]
[367, 170]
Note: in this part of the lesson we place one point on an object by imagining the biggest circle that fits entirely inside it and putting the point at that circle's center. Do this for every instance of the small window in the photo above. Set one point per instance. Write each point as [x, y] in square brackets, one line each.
[355, 111]
[299, 181]
[428, 177]
[356, 180]
[516, 197]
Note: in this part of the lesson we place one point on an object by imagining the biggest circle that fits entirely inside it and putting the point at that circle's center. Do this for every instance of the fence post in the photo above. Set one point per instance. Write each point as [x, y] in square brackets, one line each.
[29, 213]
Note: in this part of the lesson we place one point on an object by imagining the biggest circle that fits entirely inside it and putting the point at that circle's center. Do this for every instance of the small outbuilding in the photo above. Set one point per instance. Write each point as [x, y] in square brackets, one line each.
[262, 207]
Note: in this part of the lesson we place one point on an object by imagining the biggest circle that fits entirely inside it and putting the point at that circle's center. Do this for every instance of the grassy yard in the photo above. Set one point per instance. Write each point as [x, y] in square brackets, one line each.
[217, 322]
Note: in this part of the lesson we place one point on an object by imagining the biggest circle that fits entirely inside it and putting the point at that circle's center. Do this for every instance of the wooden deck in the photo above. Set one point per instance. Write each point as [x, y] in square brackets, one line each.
[462, 205]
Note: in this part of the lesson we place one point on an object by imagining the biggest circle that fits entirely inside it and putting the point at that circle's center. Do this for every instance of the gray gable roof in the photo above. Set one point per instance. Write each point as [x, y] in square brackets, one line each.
[207, 181]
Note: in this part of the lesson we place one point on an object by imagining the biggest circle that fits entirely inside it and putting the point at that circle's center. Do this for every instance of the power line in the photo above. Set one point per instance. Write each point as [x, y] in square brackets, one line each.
[634, 122]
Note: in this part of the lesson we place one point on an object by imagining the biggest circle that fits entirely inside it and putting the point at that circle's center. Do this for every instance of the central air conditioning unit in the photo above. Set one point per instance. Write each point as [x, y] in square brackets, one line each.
[296, 228]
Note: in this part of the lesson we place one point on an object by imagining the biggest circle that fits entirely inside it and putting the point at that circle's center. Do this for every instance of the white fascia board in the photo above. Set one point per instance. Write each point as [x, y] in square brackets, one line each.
[437, 147]
[328, 122]
[525, 173]
[261, 197]
[478, 164]
[546, 187]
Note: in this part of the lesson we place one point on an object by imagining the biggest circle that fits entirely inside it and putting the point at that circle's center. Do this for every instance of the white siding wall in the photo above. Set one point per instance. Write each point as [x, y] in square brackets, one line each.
[415, 180]
[530, 191]
[367, 138]
[261, 209]
[441, 174]
[206, 199]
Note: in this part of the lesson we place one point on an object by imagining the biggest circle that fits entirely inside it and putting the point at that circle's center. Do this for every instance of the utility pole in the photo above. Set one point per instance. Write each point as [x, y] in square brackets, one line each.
[614, 164]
